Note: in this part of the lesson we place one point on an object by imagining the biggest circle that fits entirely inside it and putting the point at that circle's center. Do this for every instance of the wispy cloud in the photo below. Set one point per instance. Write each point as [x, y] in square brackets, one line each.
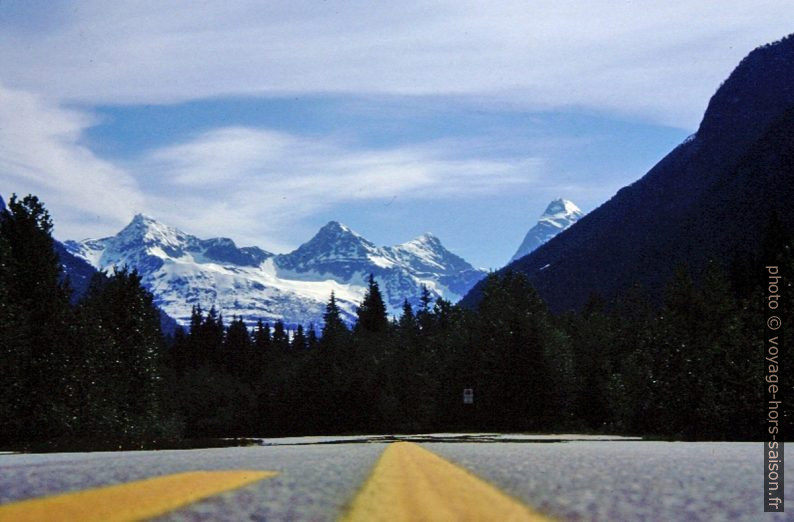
[270, 180]
[255, 184]
[41, 151]
[656, 60]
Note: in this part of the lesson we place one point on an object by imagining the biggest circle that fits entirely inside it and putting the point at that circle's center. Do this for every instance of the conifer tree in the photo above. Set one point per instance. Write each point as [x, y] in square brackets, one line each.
[42, 352]
[280, 337]
[407, 324]
[237, 348]
[262, 339]
[334, 329]
[134, 362]
[299, 339]
[424, 315]
[12, 359]
[371, 313]
[515, 329]
[311, 337]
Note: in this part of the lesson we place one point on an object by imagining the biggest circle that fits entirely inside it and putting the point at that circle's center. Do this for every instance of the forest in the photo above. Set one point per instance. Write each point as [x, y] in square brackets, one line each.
[98, 370]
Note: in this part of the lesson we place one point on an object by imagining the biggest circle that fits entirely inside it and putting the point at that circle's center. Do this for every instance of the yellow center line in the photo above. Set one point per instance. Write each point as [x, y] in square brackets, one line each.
[410, 483]
[131, 501]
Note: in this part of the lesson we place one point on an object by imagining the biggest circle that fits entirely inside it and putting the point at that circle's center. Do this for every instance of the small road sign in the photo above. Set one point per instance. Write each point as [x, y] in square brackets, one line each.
[468, 396]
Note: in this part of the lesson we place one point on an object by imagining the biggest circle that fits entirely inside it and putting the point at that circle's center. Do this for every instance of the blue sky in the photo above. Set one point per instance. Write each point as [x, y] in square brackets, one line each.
[262, 122]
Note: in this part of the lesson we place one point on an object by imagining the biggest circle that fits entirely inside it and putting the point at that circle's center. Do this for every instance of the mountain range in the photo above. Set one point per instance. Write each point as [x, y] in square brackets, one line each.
[710, 198]
[183, 271]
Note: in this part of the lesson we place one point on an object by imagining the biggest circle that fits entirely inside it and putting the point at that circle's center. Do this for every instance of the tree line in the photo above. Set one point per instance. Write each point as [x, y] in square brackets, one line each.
[688, 366]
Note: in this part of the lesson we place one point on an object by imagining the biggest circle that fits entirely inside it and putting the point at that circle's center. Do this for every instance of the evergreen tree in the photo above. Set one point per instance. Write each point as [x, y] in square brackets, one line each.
[13, 358]
[424, 315]
[40, 383]
[133, 358]
[371, 313]
[196, 318]
[237, 348]
[180, 356]
[425, 299]
[679, 355]
[280, 337]
[592, 334]
[299, 339]
[516, 331]
[407, 325]
[208, 338]
[262, 339]
[334, 329]
[311, 338]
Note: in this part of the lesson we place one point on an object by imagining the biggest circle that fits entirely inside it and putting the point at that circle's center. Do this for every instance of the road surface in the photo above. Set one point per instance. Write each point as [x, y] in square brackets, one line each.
[438, 477]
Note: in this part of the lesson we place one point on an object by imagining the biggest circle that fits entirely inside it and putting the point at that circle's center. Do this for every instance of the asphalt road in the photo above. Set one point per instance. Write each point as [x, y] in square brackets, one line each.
[318, 478]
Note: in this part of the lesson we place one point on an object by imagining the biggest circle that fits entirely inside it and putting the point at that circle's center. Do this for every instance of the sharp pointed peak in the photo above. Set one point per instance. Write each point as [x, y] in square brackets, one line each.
[146, 225]
[335, 224]
[426, 242]
[561, 206]
[428, 238]
[140, 217]
[337, 228]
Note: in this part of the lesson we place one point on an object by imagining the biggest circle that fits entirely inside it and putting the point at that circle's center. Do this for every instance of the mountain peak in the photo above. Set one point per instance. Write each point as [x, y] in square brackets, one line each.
[337, 228]
[334, 231]
[428, 238]
[561, 206]
[559, 215]
[424, 245]
[145, 225]
[143, 218]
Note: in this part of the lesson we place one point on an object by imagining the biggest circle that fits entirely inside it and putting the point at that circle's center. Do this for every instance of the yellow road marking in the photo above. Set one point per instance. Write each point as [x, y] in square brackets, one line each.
[410, 483]
[131, 501]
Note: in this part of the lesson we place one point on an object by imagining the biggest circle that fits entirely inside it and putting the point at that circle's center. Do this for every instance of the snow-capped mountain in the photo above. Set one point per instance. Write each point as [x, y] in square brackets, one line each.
[182, 270]
[559, 215]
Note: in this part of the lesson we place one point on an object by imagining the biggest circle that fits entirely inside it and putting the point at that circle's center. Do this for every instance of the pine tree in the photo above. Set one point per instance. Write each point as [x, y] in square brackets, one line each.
[209, 338]
[280, 337]
[678, 360]
[180, 356]
[133, 357]
[43, 339]
[334, 329]
[237, 348]
[425, 298]
[12, 357]
[407, 325]
[196, 318]
[299, 339]
[262, 339]
[311, 338]
[424, 315]
[372, 315]
[515, 330]
[592, 335]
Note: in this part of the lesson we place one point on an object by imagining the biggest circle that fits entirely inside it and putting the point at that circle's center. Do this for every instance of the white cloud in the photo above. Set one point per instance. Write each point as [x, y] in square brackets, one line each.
[41, 153]
[263, 182]
[255, 184]
[658, 60]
